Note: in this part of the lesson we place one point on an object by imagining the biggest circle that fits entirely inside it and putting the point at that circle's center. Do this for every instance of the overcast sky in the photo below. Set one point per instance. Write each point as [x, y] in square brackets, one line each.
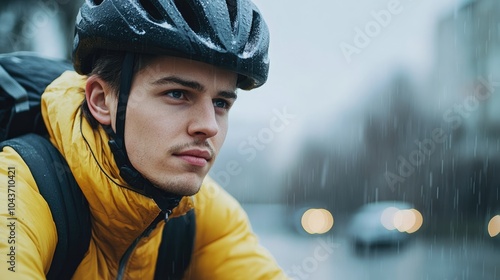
[316, 74]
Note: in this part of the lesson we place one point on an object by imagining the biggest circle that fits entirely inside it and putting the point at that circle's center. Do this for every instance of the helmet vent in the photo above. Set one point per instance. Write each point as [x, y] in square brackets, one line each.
[188, 14]
[232, 8]
[254, 30]
[95, 2]
[150, 9]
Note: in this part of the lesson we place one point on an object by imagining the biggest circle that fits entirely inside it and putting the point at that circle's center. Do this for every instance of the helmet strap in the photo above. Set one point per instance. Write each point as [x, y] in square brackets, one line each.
[125, 86]
[166, 201]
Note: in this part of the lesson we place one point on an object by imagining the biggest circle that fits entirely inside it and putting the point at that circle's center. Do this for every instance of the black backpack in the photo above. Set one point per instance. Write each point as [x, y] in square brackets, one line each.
[23, 78]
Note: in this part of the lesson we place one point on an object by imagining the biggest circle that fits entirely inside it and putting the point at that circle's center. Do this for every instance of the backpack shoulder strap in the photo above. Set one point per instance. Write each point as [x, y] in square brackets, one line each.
[176, 247]
[67, 203]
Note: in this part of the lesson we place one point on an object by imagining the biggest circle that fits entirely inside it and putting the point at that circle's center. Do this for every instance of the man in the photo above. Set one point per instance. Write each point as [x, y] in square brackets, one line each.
[140, 126]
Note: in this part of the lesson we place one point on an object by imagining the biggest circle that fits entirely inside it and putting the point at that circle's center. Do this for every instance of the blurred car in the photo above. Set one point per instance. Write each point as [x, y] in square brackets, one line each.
[383, 224]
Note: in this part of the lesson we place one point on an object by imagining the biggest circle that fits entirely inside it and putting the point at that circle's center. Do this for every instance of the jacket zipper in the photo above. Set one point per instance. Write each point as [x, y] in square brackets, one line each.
[126, 256]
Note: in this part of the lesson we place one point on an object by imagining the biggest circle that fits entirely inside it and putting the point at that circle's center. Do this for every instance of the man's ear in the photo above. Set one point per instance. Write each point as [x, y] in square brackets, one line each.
[97, 93]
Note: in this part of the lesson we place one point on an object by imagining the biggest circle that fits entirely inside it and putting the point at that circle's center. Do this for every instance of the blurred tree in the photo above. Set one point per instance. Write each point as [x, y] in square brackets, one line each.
[44, 26]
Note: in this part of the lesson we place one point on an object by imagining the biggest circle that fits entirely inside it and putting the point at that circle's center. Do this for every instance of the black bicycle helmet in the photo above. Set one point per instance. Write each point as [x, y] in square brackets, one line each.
[230, 34]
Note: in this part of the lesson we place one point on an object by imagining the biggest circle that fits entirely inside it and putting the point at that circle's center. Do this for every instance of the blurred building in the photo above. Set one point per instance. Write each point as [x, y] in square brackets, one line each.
[468, 60]
[467, 102]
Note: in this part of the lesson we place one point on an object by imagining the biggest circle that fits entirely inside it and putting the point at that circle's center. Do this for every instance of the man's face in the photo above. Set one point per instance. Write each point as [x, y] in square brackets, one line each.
[177, 120]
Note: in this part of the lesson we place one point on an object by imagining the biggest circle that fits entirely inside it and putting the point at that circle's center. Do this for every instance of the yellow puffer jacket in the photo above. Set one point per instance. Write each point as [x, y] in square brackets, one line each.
[225, 247]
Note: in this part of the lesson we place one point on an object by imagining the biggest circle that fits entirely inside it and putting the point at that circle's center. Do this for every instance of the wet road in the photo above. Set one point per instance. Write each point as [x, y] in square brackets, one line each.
[333, 257]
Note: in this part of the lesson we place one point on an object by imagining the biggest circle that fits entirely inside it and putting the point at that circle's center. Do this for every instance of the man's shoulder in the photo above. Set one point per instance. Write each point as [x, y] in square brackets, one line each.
[14, 168]
[212, 193]
[21, 189]
[28, 212]
[217, 210]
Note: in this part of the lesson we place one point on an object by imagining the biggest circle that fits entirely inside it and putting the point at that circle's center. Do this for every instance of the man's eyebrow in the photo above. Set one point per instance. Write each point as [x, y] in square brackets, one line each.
[228, 94]
[177, 80]
[191, 84]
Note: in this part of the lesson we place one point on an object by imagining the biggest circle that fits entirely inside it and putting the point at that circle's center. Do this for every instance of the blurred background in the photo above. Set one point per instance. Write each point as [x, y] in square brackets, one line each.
[373, 152]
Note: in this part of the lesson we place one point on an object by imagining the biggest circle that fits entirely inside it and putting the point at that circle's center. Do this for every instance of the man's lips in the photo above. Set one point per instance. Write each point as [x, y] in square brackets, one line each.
[195, 157]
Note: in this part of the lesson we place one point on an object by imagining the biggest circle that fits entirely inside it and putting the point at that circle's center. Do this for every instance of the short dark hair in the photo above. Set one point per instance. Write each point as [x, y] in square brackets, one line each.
[108, 66]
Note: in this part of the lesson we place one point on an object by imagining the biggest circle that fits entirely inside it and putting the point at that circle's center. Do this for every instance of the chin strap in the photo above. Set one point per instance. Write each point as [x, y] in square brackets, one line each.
[165, 200]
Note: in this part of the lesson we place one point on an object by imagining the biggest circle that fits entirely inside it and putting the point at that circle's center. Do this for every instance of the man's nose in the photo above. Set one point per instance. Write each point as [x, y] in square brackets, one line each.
[203, 121]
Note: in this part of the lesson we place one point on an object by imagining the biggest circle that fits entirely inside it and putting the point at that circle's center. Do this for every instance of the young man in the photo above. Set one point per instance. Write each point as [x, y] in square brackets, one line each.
[140, 126]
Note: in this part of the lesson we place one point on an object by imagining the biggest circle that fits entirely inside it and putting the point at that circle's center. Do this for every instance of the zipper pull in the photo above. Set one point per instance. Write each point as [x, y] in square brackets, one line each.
[167, 215]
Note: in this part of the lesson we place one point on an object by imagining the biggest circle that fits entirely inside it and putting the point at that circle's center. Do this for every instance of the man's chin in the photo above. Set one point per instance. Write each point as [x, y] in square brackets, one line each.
[186, 191]
[180, 188]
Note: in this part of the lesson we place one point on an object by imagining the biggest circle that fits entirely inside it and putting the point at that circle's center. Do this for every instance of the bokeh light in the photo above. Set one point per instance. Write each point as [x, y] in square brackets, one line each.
[419, 221]
[317, 221]
[494, 226]
[406, 220]
[387, 217]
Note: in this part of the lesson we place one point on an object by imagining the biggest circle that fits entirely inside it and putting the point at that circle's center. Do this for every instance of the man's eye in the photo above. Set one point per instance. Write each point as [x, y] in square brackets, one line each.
[176, 94]
[221, 103]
